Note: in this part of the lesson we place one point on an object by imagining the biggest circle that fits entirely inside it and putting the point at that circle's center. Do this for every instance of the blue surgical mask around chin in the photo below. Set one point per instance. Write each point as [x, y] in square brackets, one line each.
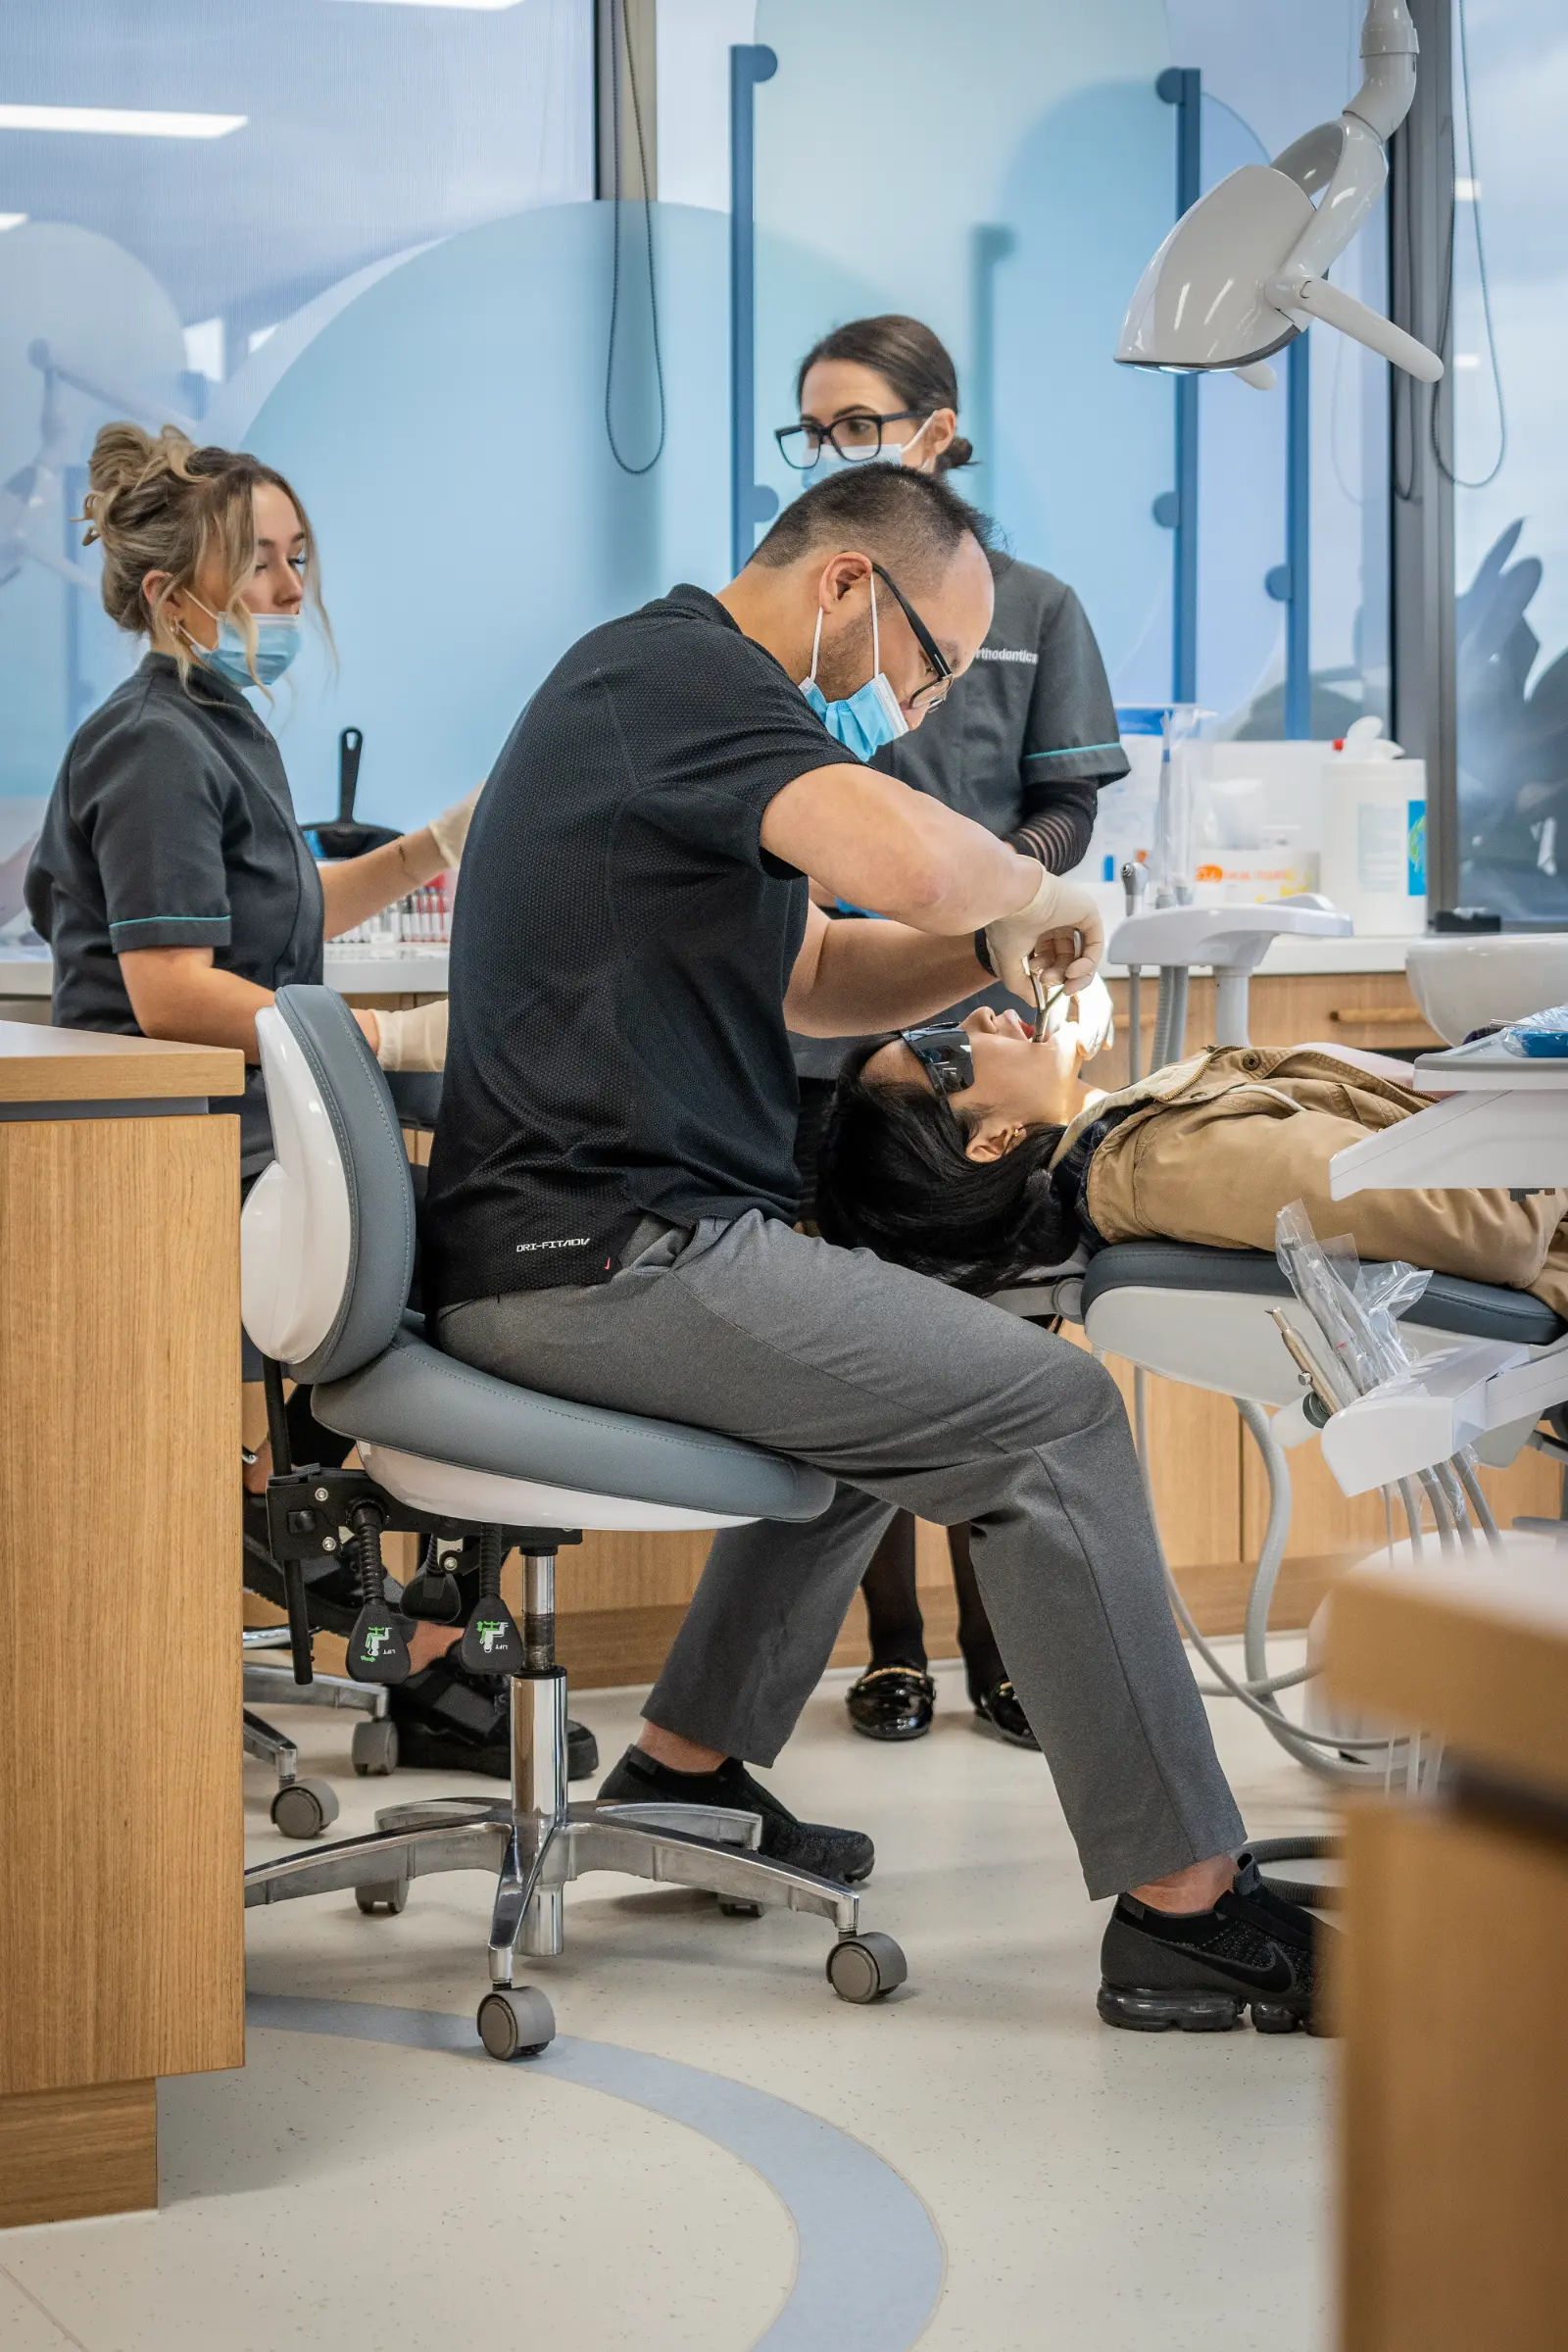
[278, 641]
[864, 721]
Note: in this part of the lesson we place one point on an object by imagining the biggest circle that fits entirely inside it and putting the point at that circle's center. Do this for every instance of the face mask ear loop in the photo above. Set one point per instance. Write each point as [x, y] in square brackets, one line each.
[877, 641]
[816, 645]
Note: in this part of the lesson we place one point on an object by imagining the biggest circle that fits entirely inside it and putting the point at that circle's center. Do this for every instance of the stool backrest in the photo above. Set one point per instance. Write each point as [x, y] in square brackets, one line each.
[326, 1240]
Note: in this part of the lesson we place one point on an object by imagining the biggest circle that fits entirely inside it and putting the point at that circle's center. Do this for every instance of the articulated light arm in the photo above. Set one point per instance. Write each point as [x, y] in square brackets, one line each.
[1245, 268]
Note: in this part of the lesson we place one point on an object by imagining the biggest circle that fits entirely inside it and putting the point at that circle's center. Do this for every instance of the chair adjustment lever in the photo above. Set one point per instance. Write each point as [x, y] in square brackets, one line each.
[377, 1649]
[491, 1643]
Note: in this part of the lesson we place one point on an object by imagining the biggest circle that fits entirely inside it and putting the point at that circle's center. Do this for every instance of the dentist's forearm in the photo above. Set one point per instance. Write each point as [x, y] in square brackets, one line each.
[871, 975]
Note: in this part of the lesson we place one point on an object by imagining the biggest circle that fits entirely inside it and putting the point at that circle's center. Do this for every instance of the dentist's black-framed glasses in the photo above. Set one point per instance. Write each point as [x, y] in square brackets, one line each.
[947, 1057]
[927, 697]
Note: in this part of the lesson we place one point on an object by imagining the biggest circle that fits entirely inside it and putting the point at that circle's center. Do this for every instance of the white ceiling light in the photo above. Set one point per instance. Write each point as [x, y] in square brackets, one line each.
[119, 121]
[1245, 270]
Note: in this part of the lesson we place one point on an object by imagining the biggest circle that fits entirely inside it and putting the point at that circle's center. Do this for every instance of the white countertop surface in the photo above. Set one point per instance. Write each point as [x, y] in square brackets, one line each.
[423, 971]
[356, 971]
[1294, 957]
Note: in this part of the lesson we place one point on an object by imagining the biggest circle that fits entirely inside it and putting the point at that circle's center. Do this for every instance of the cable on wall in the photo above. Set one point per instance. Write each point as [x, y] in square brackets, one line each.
[615, 40]
[1445, 463]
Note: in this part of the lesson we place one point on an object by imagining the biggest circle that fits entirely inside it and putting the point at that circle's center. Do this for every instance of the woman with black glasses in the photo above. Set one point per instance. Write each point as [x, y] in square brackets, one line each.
[1023, 745]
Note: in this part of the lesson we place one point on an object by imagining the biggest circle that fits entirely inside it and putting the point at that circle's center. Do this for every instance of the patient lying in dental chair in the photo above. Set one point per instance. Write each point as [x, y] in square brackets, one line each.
[977, 1156]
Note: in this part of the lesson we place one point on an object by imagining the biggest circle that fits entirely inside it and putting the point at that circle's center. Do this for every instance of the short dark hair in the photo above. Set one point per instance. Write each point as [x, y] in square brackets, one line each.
[892, 1177]
[906, 355]
[909, 521]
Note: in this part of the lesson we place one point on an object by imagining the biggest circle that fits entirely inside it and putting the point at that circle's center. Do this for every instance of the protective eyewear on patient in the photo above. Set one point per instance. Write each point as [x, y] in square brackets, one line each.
[946, 1055]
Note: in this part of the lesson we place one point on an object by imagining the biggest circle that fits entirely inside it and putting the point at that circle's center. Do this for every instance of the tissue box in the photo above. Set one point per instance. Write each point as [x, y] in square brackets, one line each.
[1248, 877]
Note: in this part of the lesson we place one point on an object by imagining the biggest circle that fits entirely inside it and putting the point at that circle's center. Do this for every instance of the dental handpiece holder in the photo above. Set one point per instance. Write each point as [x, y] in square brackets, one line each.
[1231, 941]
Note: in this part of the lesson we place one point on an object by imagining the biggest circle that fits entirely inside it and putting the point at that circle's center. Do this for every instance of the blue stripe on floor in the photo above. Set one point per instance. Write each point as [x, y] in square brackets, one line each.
[871, 2263]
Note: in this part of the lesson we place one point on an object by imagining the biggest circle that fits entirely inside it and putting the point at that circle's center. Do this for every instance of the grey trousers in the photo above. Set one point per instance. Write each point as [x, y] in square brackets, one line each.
[910, 1394]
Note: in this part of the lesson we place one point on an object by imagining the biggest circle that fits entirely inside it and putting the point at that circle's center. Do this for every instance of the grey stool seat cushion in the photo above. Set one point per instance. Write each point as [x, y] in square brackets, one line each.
[1472, 1310]
[417, 1401]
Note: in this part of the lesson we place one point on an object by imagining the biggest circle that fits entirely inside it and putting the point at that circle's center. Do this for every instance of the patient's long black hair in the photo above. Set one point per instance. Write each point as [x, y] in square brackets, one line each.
[892, 1177]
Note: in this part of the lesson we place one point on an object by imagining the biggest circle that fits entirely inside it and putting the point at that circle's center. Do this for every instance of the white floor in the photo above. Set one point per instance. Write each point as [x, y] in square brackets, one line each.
[1087, 2188]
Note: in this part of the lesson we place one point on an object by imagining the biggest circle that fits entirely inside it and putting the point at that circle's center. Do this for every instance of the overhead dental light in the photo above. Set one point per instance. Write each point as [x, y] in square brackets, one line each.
[1245, 270]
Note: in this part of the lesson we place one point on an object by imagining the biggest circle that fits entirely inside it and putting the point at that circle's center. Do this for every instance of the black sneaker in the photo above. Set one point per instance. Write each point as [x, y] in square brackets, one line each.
[1199, 1970]
[892, 1702]
[450, 1720]
[846, 1855]
[997, 1711]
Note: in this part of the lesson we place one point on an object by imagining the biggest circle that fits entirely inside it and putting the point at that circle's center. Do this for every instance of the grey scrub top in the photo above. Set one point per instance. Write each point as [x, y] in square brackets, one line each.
[1022, 744]
[170, 825]
[1028, 734]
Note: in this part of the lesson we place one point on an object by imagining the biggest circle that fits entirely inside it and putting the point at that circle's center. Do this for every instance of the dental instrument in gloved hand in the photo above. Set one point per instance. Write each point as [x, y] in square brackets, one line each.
[1044, 1000]
[1091, 1012]
[1058, 929]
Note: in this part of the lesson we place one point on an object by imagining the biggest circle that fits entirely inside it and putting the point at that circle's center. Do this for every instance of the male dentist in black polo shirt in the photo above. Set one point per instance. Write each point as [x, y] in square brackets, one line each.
[612, 1191]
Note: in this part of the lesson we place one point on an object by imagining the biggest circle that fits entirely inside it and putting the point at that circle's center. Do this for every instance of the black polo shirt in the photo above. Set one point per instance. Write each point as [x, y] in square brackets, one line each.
[621, 950]
[170, 825]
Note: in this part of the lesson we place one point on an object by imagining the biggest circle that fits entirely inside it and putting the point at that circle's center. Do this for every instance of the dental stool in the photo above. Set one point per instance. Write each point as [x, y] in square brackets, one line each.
[303, 1808]
[328, 1241]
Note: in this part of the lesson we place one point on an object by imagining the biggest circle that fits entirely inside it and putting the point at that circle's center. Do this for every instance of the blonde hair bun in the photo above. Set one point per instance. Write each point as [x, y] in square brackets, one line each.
[158, 504]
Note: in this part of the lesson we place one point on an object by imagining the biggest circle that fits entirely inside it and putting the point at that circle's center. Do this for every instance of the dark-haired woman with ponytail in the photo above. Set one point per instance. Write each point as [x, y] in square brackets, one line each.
[1022, 746]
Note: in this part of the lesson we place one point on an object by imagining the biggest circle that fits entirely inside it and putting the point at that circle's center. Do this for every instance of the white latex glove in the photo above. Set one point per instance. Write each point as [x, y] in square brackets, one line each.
[413, 1039]
[450, 830]
[1089, 1013]
[1044, 930]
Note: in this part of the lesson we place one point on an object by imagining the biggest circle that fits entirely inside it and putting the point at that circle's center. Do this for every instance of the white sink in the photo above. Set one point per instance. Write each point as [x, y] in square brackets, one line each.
[1461, 984]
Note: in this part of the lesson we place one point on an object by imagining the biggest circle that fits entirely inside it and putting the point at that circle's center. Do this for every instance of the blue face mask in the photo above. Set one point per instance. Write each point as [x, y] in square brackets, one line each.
[864, 721]
[278, 641]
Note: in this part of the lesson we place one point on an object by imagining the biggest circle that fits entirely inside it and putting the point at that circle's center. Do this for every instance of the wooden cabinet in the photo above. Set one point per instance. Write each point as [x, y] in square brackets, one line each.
[120, 1827]
[1447, 1985]
[1374, 1010]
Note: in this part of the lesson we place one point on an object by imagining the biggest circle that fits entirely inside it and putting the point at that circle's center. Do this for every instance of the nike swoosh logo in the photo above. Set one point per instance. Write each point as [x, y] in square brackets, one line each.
[1278, 1976]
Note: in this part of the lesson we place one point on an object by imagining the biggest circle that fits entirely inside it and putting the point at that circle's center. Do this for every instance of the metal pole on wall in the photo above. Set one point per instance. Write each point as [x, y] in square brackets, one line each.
[1182, 87]
[1291, 583]
[1298, 538]
[751, 502]
[1421, 500]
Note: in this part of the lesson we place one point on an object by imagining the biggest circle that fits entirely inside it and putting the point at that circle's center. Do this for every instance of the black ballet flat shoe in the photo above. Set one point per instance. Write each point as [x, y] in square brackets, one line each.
[997, 1711]
[892, 1702]
[1199, 1971]
[846, 1855]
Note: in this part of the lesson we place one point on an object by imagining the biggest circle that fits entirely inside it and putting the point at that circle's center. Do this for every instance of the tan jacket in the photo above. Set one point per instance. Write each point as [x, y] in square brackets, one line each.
[1223, 1140]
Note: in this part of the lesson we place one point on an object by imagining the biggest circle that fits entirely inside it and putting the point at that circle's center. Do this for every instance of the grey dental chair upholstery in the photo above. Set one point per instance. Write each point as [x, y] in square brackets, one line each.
[303, 1808]
[327, 1244]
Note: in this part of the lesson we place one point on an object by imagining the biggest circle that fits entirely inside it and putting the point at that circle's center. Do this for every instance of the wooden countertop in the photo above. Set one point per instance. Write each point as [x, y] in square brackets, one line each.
[1476, 1654]
[84, 1066]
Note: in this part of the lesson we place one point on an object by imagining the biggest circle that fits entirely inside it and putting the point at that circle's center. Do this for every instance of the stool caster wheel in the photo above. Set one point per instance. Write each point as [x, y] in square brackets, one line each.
[385, 1894]
[866, 1968]
[303, 1808]
[375, 1748]
[516, 2021]
[732, 1910]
